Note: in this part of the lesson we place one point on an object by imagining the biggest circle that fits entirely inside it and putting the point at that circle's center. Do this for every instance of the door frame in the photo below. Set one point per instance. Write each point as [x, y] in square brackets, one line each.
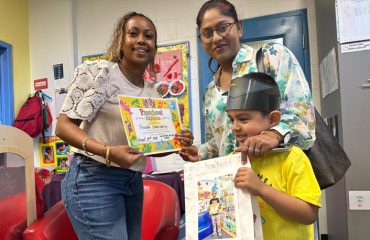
[304, 60]
[6, 84]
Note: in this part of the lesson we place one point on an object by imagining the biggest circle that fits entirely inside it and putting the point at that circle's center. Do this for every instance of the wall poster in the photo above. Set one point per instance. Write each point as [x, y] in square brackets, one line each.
[100, 56]
[214, 208]
[54, 152]
[171, 76]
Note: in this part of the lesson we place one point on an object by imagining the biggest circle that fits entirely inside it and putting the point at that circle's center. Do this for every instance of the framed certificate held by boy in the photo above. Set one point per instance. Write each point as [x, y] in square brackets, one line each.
[214, 208]
[151, 124]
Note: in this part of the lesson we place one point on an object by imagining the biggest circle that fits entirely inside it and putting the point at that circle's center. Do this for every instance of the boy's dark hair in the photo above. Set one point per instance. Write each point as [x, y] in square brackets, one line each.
[254, 91]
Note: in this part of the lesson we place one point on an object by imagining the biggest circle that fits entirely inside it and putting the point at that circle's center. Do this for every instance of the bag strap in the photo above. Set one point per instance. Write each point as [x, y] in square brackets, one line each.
[43, 113]
[259, 61]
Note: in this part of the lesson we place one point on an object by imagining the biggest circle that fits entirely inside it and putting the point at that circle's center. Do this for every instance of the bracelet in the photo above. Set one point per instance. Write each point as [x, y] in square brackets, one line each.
[272, 134]
[107, 160]
[84, 141]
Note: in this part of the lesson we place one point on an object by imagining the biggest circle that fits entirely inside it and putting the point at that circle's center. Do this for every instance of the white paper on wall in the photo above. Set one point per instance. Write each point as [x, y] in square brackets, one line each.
[355, 47]
[353, 20]
[329, 73]
[236, 210]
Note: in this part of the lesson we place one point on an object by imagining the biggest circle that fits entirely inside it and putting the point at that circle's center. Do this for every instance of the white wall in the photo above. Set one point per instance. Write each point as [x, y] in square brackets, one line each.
[51, 43]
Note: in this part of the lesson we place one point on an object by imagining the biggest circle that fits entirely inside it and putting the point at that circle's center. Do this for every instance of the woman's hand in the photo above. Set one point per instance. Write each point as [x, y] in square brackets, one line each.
[247, 179]
[124, 156]
[186, 138]
[257, 146]
[189, 153]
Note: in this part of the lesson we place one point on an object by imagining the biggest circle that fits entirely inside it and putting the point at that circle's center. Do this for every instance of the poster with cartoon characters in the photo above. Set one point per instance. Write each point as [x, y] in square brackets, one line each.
[151, 124]
[214, 208]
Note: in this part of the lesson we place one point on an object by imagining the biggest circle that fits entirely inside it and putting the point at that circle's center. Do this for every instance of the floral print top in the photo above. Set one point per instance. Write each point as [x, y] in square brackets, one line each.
[298, 117]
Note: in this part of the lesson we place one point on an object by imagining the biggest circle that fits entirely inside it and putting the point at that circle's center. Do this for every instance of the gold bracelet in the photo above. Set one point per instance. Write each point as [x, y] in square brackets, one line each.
[272, 134]
[84, 141]
[107, 160]
[104, 151]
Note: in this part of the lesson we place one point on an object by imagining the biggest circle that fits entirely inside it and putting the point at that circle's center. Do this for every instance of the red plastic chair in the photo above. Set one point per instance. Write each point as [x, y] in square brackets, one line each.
[161, 213]
[54, 225]
[161, 217]
[19, 210]
[13, 216]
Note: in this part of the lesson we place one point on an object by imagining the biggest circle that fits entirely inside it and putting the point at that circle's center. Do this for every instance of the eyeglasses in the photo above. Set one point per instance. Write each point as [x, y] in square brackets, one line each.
[222, 30]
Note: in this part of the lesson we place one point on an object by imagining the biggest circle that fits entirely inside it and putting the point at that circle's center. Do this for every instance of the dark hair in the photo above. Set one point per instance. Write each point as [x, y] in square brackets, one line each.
[48, 148]
[225, 7]
[114, 51]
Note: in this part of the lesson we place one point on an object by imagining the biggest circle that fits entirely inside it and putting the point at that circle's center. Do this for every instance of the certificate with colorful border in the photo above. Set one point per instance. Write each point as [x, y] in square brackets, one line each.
[151, 124]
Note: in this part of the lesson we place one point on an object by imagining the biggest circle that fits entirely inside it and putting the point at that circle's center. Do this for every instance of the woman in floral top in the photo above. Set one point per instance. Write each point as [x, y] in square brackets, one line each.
[220, 32]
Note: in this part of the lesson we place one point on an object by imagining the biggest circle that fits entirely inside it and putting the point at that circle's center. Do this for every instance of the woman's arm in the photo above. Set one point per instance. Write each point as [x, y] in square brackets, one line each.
[80, 92]
[297, 109]
[68, 130]
[201, 152]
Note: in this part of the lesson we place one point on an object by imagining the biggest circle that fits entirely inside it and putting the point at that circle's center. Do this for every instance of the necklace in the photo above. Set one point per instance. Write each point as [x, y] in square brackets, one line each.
[130, 77]
[225, 81]
[219, 78]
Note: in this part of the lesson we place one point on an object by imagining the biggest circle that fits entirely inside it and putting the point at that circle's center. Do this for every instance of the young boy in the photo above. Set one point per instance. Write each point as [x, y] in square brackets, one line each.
[287, 190]
[214, 210]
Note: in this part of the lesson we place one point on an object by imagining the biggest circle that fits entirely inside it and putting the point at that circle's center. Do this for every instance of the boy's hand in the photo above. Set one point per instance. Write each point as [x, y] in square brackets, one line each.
[189, 153]
[247, 179]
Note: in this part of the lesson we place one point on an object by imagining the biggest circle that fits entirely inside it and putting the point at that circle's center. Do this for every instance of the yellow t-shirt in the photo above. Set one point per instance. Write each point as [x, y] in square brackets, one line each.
[289, 172]
[214, 206]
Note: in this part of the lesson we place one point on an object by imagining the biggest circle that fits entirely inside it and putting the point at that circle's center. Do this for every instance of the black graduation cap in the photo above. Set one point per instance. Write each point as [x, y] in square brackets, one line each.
[254, 91]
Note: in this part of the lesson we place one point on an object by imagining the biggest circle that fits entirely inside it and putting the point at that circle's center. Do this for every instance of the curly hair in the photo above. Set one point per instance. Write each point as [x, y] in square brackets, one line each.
[114, 52]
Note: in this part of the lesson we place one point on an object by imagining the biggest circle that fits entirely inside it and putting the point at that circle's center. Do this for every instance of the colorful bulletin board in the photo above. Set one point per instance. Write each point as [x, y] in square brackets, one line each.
[94, 57]
[170, 74]
[54, 152]
[151, 124]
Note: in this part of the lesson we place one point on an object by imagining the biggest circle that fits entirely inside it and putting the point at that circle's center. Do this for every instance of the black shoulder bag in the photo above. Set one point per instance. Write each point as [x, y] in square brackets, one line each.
[328, 159]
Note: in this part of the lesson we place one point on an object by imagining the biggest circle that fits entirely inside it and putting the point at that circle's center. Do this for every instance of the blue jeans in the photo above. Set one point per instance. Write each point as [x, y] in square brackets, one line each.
[102, 202]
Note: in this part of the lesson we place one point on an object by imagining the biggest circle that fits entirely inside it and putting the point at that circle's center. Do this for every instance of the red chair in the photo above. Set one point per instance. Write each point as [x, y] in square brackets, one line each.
[161, 213]
[20, 210]
[13, 216]
[54, 225]
[161, 217]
